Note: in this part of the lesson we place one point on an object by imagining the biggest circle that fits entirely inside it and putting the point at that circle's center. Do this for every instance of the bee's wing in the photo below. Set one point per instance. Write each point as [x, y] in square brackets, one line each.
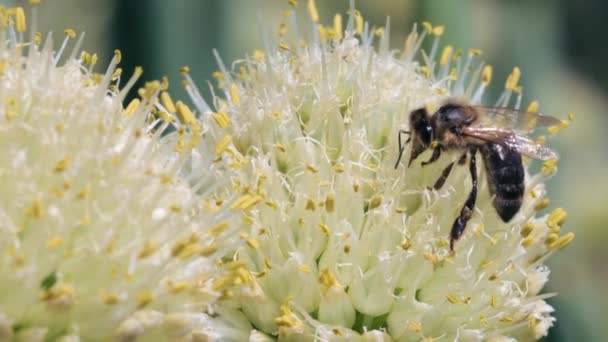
[512, 140]
[519, 121]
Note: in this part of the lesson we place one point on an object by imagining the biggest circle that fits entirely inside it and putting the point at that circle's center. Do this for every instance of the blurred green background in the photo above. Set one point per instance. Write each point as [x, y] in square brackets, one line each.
[557, 44]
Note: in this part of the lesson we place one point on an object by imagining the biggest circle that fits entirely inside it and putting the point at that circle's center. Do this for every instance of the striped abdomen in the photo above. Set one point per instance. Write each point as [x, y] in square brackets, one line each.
[505, 174]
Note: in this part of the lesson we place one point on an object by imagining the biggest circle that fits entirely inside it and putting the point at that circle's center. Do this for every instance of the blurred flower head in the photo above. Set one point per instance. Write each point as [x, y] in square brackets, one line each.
[101, 234]
[342, 244]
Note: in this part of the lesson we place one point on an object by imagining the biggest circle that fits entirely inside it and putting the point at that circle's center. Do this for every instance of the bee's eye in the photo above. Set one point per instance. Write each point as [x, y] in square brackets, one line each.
[426, 134]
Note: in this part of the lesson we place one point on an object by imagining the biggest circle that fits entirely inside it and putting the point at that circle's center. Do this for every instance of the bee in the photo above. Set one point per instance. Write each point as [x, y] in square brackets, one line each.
[500, 135]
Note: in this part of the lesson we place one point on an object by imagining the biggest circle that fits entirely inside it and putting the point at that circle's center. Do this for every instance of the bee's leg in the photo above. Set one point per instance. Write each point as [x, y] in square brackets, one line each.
[446, 172]
[401, 146]
[467, 210]
[434, 157]
[444, 175]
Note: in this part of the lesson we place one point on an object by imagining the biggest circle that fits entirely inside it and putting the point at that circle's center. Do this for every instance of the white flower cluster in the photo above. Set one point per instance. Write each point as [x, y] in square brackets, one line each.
[276, 214]
[343, 244]
[101, 234]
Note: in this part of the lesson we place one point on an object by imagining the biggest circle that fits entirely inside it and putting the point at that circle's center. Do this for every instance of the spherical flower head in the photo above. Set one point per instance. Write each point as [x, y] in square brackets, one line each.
[343, 244]
[101, 234]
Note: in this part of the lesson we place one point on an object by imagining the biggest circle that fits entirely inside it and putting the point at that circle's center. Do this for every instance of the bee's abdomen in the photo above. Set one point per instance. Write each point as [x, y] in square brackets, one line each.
[505, 175]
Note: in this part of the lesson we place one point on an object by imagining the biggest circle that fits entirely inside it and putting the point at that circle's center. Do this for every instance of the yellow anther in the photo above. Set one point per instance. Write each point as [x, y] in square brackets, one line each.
[109, 298]
[208, 250]
[253, 243]
[475, 52]
[246, 201]
[425, 71]
[148, 249]
[549, 167]
[513, 80]
[338, 26]
[438, 30]
[167, 102]
[223, 144]
[221, 119]
[528, 241]
[116, 74]
[258, 55]
[557, 217]
[94, 59]
[20, 23]
[453, 74]
[186, 70]
[144, 298]
[406, 244]
[445, 55]
[379, 32]
[84, 193]
[486, 263]
[358, 22]
[312, 10]
[551, 239]
[292, 2]
[282, 29]
[565, 240]
[427, 26]
[375, 202]
[414, 326]
[338, 168]
[234, 94]
[527, 229]
[54, 242]
[532, 322]
[486, 75]
[542, 204]
[312, 168]
[131, 108]
[84, 221]
[310, 204]
[138, 71]
[38, 38]
[218, 229]
[507, 319]
[330, 203]
[176, 287]
[324, 228]
[63, 164]
[327, 279]
[553, 130]
[164, 83]
[453, 299]
[35, 210]
[571, 116]
[304, 269]
[533, 107]
[494, 301]
[184, 113]
[71, 33]
[61, 290]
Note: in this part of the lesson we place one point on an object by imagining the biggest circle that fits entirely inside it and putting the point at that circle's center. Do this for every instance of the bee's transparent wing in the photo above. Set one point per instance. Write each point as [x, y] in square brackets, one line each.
[510, 139]
[521, 122]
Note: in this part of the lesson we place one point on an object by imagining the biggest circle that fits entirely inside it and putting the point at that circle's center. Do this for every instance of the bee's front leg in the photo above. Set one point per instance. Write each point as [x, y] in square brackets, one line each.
[402, 146]
[467, 210]
[434, 157]
[446, 172]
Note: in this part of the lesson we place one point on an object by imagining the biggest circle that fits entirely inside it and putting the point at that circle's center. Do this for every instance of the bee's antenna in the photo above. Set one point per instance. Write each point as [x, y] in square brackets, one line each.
[401, 146]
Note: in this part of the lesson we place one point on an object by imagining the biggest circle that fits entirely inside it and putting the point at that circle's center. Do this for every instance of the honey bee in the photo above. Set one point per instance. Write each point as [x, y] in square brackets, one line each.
[500, 135]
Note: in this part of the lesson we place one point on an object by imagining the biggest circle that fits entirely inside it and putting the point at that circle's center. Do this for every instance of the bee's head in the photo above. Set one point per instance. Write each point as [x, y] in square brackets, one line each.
[421, 127]
[422, 131]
